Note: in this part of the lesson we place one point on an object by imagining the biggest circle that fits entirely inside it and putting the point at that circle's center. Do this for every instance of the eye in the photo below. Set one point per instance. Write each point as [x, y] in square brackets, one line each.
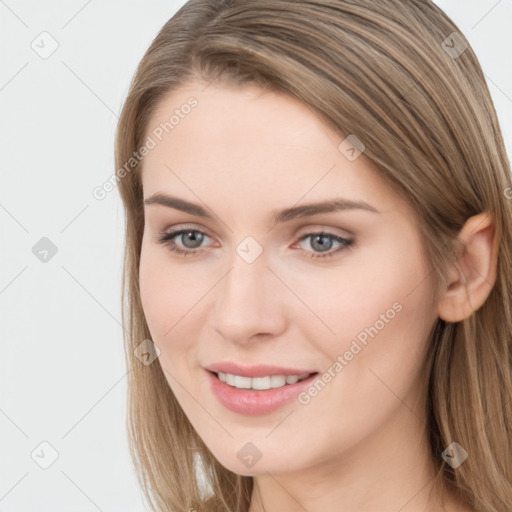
[320, 241]
[191, 240]
[187, 236]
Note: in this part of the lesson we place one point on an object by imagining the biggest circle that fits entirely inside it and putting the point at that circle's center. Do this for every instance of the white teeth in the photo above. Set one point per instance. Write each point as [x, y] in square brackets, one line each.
[242, 382]
[277, 381]
[260, 383]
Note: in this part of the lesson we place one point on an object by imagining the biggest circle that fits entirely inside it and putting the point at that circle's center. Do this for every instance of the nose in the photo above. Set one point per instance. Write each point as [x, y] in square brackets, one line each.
[249, 302]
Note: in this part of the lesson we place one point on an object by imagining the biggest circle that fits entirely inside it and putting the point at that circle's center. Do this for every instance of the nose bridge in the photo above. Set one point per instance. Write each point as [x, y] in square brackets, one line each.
[248, 301]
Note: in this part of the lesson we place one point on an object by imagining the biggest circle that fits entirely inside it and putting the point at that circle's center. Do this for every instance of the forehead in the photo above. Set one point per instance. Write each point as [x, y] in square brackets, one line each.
[242, 113]
[251, 145]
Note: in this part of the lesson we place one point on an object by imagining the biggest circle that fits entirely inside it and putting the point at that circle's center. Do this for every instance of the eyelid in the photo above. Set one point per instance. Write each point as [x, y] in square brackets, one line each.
[344, 233]
[346, 243]
[183, 227]
[307, 230]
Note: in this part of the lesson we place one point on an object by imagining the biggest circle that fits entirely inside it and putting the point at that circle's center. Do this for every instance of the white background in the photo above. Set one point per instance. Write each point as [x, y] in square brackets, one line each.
[62, 370]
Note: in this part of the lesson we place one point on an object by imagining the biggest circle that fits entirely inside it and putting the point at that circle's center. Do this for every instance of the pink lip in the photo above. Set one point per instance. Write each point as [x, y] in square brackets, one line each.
[255, 371]
[254, 402]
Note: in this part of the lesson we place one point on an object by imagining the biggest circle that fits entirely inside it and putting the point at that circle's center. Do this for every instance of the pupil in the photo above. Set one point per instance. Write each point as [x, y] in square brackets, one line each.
[194, 236]
[323, 245]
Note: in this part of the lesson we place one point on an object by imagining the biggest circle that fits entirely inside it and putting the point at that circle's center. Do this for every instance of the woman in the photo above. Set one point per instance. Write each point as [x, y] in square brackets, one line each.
[317, 271]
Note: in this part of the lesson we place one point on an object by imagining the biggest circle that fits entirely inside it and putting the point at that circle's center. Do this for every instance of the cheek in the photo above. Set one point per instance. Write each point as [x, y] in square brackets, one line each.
[381, 322]
[377, 311]
[171, 299]
[163, 289]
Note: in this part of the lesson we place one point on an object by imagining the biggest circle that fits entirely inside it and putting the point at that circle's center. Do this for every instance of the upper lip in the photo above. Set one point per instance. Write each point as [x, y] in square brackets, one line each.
[262, 370]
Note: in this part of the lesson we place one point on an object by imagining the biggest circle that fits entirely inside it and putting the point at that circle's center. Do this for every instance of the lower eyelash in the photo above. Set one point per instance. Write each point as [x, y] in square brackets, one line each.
[167, 239]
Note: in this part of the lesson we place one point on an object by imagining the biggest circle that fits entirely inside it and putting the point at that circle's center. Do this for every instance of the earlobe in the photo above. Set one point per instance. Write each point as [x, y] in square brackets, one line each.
[472, 279]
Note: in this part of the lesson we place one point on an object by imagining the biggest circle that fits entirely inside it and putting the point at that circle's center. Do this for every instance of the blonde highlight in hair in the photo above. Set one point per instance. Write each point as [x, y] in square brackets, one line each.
[377, 70]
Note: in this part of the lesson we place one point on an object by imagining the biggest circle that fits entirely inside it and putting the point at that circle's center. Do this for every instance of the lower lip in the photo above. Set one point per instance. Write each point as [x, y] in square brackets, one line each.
[252, 402]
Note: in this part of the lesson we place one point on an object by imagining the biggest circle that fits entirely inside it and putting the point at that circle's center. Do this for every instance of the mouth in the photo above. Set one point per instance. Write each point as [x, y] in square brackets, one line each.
[252, 396]
[261, 383]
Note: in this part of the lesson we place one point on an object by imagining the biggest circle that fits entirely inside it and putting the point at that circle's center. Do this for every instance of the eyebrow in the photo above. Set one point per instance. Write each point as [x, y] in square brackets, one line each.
[278, 216]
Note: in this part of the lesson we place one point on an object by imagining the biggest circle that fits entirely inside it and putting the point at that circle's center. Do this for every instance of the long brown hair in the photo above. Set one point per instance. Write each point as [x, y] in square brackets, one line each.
[400, 76]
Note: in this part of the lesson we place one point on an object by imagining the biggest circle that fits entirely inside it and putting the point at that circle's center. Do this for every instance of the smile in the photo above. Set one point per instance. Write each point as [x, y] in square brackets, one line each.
[260, 383]
[252, 396]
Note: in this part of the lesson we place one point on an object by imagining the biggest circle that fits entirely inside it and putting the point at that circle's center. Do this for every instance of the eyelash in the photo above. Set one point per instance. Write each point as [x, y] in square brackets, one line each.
[167, 240]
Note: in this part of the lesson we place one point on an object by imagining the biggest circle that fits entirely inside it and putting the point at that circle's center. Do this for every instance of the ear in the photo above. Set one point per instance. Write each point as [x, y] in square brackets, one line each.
[470, 284]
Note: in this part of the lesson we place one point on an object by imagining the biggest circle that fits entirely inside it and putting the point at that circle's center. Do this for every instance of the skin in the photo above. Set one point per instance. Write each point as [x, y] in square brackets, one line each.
[362, 441]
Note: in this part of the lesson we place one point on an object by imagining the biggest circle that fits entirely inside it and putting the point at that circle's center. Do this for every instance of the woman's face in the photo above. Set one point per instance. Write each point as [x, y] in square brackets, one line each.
[259, 288]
